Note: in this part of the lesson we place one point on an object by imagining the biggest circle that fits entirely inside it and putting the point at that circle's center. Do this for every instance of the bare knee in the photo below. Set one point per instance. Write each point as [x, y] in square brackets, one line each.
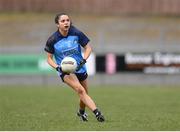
[81, 91]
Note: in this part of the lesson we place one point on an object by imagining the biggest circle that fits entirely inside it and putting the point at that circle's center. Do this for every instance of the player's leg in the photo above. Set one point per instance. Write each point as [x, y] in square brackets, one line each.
[81, 112]
[74, 83]
[81, 103]
[97, 113]
[83, 81]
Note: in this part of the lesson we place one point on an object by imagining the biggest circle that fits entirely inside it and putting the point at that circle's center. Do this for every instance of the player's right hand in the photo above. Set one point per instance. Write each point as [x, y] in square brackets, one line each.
[58, 68]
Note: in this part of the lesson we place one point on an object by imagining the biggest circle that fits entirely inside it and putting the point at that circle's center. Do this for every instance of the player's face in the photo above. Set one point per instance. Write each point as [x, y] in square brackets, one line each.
[64, 23]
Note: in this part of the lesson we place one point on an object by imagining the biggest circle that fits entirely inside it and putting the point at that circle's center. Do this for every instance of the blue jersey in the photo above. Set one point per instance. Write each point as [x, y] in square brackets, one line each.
[69, 45]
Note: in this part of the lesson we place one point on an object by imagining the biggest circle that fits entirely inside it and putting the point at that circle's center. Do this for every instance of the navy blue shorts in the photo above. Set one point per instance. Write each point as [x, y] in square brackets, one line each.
[80, 76]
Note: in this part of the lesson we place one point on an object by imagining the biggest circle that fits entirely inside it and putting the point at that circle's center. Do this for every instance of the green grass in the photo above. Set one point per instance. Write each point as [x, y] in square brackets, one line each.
[125, 108]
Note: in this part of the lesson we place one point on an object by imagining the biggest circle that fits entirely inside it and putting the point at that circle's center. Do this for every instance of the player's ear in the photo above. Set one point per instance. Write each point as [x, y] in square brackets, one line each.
[57, 25]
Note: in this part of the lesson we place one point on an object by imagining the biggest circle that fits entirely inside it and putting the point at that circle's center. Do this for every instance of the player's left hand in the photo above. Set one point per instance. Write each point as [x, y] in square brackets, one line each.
[82, 62]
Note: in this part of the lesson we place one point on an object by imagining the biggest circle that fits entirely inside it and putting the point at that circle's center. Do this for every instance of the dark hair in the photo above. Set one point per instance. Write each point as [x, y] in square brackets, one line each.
[58, 16]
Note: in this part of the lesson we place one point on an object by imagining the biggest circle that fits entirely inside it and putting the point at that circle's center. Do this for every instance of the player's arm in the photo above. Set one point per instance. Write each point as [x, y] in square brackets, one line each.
[51, 61]
[87, 51]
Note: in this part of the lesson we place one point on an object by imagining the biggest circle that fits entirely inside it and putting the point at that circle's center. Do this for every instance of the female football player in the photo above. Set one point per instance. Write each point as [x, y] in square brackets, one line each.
[67, 41]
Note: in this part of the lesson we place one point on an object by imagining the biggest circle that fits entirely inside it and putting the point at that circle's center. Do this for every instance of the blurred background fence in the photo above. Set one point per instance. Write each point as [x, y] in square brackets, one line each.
[134, 41]
[142, 7]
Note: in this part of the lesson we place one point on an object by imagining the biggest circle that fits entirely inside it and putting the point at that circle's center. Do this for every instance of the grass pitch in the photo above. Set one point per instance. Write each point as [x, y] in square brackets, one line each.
[124, 107]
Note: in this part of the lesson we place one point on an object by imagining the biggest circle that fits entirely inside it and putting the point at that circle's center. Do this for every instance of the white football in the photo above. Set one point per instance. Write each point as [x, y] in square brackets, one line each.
[68, 65]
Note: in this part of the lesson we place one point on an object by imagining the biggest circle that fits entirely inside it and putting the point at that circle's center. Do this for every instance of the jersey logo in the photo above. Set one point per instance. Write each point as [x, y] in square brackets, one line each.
[71, 51]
